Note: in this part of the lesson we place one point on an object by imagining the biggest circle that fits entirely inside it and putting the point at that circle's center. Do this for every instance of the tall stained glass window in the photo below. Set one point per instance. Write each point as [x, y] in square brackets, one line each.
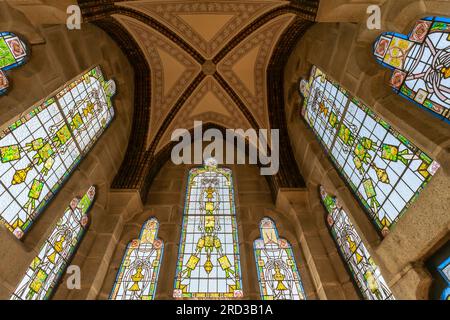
[363, 269]
[46, 269]
[208, 262]
[384, 169]
[421, 64]
[278, 275]
[138, 274]
[13, 53]
[42, 146]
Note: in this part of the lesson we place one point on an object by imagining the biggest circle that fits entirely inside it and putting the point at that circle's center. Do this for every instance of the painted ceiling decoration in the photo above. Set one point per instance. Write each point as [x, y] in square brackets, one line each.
[202, 60]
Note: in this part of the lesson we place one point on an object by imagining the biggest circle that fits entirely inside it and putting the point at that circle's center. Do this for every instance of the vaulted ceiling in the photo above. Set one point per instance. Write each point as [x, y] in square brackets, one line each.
[220, 62]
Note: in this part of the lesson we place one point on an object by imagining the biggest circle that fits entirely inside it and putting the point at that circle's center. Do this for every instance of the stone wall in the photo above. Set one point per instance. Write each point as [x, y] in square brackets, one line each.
[343, 50]
[57, 56]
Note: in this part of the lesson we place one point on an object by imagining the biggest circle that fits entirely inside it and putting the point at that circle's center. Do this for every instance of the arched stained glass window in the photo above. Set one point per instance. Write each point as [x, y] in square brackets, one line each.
[13, 53]
[278, 275]
[208, 262]
[138, 274]
[46, 269]
[383, 168]
[363, 269]
[421, 64]
[41, 147]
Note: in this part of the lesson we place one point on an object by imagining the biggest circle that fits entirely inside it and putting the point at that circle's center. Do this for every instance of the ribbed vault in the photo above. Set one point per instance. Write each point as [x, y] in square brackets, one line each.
[219, 61]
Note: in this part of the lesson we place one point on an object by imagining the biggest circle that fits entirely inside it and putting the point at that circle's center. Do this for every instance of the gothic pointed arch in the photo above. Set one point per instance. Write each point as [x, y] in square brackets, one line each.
[137, 277]
[45, 271]
[208, 260]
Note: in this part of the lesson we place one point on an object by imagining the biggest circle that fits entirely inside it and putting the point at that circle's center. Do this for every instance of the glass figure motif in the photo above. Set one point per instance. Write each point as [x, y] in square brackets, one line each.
[46, 269]
[13, 53]
[384, 169]
[42, 146]
[278, 275]
[444, 271]
[420, 64]
[208, 262]
[138, 274]
[363, 269]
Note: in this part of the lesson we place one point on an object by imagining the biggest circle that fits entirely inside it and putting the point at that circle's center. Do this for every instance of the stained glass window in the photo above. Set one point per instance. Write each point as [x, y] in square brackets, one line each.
[138, 274]
[384, 169]
[444, 270]
[46, 269]
[41, 147]
[278, 275]
[363, 269]
[421, 64]
[13, 53]
[208, 262]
